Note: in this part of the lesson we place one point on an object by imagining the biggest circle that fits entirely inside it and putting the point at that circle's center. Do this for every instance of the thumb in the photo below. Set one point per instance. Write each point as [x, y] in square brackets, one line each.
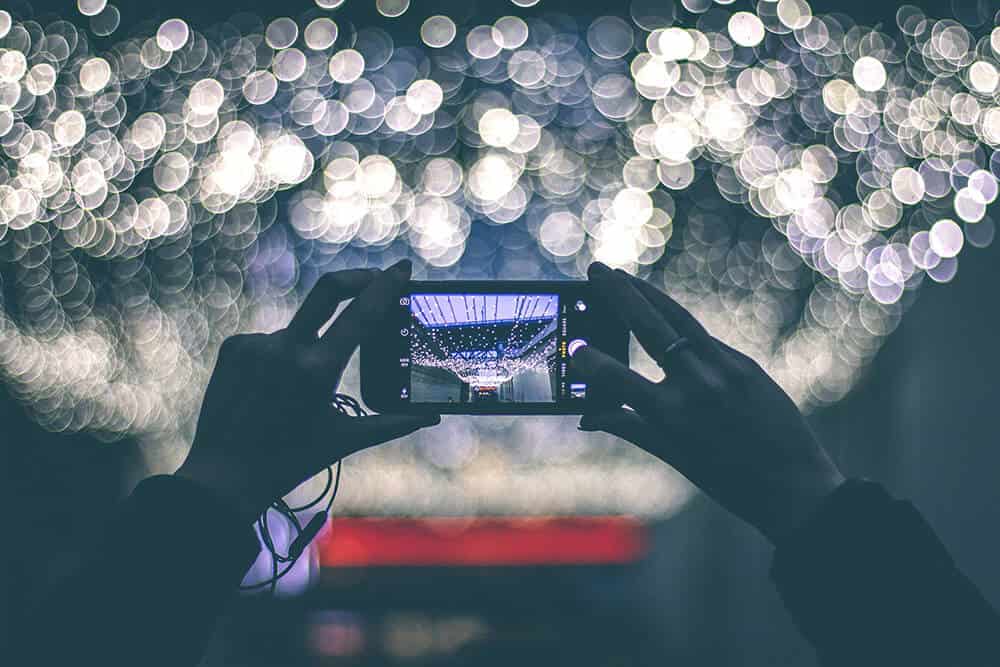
[357, 433]
[658, 440]
[615, 380]
[624, 423]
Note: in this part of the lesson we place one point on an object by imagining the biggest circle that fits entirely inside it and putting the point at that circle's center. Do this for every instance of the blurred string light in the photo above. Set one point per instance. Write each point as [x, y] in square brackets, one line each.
[457, 334]
[176, 187]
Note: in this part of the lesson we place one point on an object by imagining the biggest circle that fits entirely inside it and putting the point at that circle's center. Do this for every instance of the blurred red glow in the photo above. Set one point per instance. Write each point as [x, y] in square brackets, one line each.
[482, 541]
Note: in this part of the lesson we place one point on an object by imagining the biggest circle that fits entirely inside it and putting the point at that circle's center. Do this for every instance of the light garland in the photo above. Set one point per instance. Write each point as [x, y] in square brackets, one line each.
[481, 350]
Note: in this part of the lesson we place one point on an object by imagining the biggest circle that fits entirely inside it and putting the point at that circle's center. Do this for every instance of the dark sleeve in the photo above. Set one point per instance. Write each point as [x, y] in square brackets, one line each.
[150, 589]
[868, 583]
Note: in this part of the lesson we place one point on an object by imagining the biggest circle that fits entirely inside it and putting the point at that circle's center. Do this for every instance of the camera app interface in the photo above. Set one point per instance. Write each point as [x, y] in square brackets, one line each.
[490, 348]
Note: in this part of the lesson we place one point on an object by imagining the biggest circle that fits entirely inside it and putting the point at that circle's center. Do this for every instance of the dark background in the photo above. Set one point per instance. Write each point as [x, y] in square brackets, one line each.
[923, 421]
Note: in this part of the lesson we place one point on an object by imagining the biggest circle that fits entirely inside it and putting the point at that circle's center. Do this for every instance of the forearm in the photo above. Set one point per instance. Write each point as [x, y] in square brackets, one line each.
[868, 582]
[152, 588]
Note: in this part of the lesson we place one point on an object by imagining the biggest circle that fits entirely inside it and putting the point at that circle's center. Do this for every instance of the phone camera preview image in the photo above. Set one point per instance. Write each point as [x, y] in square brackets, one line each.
[484, 349]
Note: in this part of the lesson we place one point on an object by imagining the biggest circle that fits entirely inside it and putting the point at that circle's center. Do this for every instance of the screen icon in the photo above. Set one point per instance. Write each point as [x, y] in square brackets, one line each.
[576, 345]
[581, 306]
[578, 390]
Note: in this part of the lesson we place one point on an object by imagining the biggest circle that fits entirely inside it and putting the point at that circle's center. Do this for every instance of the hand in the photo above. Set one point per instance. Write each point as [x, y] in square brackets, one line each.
[266, 423]
[717, 417]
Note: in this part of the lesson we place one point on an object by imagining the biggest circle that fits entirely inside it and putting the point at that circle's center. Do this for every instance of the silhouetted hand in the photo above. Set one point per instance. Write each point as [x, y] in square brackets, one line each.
[717, 417]
[266, 423]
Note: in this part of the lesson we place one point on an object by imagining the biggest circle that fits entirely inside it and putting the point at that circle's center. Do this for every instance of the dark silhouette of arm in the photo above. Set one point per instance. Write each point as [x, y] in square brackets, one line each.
[863, 575]
[868, 583]
[151, 587]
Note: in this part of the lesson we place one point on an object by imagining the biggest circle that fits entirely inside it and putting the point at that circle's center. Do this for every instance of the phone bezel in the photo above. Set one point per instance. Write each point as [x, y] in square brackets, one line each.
[381, 397]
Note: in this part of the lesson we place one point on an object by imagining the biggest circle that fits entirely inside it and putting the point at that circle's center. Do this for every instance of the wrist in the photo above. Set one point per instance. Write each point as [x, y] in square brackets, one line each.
[799, 504]
[226, 482]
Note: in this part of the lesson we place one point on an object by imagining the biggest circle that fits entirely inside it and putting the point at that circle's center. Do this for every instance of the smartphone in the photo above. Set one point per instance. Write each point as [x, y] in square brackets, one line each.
[488, 347]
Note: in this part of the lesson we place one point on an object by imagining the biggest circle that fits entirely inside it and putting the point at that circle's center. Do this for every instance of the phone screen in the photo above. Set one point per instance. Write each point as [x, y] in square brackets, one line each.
[490, 347]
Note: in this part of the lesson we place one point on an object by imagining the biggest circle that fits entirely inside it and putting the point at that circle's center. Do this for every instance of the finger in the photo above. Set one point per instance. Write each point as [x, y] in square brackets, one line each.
[686, 324]
[654, 333]
[322, 301]
[632, 427]
[357, 433]
[736, 361]
[616, 289]
[597, 273]
[626, 424]
[619, 382]
[678, 316]
[365, 312]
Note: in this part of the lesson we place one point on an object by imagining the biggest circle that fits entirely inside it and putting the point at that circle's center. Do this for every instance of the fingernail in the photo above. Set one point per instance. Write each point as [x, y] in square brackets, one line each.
[402, 265]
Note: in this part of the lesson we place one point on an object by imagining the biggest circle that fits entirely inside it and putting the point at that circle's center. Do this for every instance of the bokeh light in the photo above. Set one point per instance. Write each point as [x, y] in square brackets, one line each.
[791, 178]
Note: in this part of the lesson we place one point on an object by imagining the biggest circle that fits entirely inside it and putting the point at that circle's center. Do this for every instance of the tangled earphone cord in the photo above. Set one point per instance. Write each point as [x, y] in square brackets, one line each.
[347, 405]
